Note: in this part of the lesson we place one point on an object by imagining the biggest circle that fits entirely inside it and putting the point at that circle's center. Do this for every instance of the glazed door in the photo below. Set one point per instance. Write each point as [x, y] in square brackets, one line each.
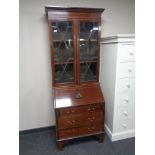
[88, 50]
[63, 52]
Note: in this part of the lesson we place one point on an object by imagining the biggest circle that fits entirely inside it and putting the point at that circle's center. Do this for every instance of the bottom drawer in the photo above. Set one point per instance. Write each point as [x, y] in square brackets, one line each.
[80, 131]
[124, 125]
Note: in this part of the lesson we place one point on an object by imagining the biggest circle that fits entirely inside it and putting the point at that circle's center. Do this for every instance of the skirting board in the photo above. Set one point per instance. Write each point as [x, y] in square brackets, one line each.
[120, 135]
[36, 130]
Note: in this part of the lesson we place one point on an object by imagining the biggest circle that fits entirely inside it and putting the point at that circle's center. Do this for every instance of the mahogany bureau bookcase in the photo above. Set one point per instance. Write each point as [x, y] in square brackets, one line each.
[75, 55]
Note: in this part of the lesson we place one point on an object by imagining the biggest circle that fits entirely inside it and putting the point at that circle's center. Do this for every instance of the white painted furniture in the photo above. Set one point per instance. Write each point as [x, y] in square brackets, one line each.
[117, 81]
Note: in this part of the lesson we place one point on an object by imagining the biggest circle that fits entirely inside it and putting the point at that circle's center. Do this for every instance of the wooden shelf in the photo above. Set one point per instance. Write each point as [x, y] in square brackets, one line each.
[88, 61]
[85, 40]
[61, 62]
[62, 40]
[92, 40]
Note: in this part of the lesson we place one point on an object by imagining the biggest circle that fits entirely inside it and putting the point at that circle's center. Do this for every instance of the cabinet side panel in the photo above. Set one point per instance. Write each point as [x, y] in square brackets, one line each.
[107, 79]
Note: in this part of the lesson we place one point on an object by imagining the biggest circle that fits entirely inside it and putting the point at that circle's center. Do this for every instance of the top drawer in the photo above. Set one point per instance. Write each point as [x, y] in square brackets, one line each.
[90, 109]
[126, 52]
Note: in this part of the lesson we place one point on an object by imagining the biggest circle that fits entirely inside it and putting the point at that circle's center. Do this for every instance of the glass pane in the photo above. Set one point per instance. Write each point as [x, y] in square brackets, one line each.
[63, 73]
[88, 71]
[63, 51]
[62, 41]
[89, 43]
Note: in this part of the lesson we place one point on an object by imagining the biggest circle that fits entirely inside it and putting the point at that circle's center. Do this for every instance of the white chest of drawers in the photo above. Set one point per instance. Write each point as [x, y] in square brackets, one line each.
[117, 82]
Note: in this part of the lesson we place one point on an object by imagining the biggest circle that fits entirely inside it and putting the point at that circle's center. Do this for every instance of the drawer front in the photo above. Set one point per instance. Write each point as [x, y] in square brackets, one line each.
[125, 85]
[80, 120]
[125, 99]
[69, 133]
[126, 52]
[124, 112]
[126, 69]
[124, 125]
[90, 109]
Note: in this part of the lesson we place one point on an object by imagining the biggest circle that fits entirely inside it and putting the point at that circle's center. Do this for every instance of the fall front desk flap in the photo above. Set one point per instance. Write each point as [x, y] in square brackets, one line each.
[78, 95]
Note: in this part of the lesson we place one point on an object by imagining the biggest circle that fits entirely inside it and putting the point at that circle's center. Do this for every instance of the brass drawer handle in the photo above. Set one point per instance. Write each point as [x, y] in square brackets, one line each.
[73, 111]
[91, 128]
[91, 119]
[91, 109]
[70, 112]
[71, 122]
[72, 131]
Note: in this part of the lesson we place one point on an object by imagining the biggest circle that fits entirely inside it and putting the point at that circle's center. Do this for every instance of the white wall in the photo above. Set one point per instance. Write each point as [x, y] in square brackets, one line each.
[35, 99]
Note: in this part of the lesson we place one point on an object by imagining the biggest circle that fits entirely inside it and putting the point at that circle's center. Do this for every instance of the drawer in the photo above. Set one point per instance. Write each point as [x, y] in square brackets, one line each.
[80, 120]
[126, 69]
[124, 112]
[125, 99]
[75, 132]
[125, 85]
[126, 52]
[124, 125]
[89, 109]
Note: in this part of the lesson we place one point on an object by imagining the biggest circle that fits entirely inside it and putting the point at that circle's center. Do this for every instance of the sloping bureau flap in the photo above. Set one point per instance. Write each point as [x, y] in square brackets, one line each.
[77, 95]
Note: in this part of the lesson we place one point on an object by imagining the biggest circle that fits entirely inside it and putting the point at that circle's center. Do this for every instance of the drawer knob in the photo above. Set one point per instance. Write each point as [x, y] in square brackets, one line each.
[125, 113]
[126, 100]
[131, 53]
[128, 85]
[124, 126]
[130, 70]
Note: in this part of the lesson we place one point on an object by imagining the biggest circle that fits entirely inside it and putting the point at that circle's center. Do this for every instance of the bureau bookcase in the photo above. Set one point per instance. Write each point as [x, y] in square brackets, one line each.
[75, 54]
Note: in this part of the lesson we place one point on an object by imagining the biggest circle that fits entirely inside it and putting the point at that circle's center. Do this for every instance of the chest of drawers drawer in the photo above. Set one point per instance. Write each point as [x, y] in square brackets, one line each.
[125, 85]
[125, 99]
[124, 125]
[126, 52]
[79, 120]
[126, 69]
[74, 132]
[124, 112]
